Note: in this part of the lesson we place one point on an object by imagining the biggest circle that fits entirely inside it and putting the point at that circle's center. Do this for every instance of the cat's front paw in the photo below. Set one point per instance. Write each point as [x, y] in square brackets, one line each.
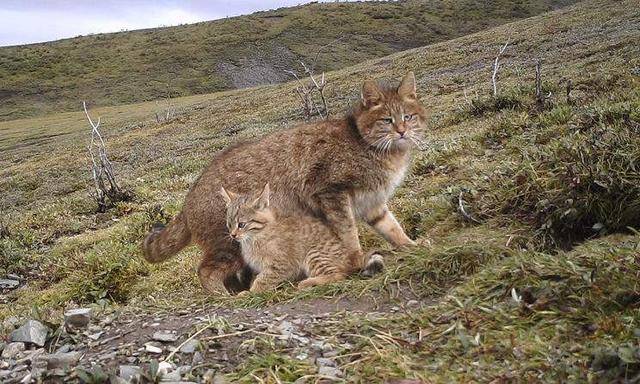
[243, 293]
[374, 265]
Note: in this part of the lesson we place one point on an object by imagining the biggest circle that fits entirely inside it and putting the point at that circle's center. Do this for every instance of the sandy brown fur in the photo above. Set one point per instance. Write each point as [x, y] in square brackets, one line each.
[337, 171]
[285, 248]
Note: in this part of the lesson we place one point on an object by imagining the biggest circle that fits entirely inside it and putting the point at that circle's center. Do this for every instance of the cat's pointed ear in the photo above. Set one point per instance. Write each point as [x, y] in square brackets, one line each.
[262, 201]
[228, 196]
[407, 88]
[371, 94]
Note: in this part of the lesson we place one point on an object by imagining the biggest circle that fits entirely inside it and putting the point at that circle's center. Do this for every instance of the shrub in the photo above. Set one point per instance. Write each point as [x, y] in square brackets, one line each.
[581, 180]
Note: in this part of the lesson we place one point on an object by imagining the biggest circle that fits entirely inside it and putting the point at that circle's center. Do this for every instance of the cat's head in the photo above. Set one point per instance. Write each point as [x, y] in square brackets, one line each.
[390, 118]
[247, 214]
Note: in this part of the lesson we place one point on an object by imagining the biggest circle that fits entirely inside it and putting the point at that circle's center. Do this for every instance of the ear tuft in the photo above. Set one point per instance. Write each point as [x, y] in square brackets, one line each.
[228, 196]
[371, 94]
[407, 88]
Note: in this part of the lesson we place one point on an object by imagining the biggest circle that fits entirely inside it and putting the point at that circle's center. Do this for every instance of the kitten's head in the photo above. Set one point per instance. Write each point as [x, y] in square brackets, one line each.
[247, 214]
[390, 119]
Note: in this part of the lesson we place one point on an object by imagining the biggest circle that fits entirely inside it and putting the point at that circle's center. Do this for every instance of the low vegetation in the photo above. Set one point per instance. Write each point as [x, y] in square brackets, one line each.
[533, 279]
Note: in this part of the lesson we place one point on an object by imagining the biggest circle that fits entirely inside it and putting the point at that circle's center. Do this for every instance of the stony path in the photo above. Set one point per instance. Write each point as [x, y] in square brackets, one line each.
[193, 344]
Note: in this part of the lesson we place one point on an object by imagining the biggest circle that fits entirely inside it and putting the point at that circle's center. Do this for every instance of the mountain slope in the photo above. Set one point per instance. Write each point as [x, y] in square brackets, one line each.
[127, 67]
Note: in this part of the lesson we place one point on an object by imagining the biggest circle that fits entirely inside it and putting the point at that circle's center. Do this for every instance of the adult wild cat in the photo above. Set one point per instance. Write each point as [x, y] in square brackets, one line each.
[336, 170]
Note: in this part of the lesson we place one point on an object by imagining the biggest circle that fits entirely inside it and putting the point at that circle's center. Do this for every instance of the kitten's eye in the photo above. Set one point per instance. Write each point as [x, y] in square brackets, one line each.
[241, 225]
[386, 120]
[408, 117]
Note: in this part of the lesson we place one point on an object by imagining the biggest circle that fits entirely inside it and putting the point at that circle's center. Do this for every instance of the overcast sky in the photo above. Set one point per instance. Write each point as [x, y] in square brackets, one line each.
[30, 21]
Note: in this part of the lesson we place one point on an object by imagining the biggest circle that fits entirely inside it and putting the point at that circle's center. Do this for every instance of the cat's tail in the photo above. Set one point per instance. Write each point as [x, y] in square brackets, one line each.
[165, 241]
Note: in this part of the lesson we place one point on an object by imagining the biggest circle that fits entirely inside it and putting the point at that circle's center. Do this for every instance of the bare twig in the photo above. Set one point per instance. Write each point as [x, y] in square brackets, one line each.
[312, 89]
[208, 326]
[105, 184]
[166, 113]
[496, 65]
[463, 211]
[539, 97]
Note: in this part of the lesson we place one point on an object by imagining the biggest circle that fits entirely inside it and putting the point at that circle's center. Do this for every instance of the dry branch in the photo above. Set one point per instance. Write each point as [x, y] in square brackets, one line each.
[540, 97]
[311, 88]
[106, 189]
[463, 211]
[496, 65]
[568, 90]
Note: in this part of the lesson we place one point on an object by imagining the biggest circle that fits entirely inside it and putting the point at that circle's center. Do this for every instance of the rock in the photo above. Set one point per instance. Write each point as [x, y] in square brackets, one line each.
[171, 377]
[26, 379]
[78, 318]
[31, 332]
[413, 303]
[165, 336]
[19, 368]
[4, 373]
[190, 346]
[324, 362]
[29, 357]
[330, 372]
[128, 372]
[9, 284]
[10, 323]
[184, 369]
[164, 367]
[64, 349]
[210, 377]
[330, 353]
[95, 336]
[62, 360]
[152, 348]
[13, 350]
[197, 359]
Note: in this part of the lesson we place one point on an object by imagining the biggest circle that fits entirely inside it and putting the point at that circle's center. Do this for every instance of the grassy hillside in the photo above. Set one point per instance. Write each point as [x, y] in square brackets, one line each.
[540, 286]
[238, 52]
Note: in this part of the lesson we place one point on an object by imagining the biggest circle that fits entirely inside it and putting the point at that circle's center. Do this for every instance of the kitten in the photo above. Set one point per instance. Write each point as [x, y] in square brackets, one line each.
[283, 249]
[338, 171]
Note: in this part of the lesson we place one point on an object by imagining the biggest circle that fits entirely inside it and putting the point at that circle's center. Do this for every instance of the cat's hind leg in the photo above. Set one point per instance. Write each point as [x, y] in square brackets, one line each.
[321, 280]
[267, 280]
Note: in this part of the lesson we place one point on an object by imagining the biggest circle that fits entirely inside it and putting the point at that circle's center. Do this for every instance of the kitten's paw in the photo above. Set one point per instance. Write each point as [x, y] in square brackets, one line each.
[307, 283]
[215, 288]
[243, 293]
[375, 265]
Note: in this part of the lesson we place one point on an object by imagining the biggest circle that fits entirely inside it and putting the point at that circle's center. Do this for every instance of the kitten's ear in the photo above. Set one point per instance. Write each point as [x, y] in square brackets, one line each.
[407, 88]
[262, 201]
[228, 196]
[371, 94]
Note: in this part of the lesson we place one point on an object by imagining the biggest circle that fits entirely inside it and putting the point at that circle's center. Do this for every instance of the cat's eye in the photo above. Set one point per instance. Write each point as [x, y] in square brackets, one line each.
[387, 120]
[241, 224]
[408, 117]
